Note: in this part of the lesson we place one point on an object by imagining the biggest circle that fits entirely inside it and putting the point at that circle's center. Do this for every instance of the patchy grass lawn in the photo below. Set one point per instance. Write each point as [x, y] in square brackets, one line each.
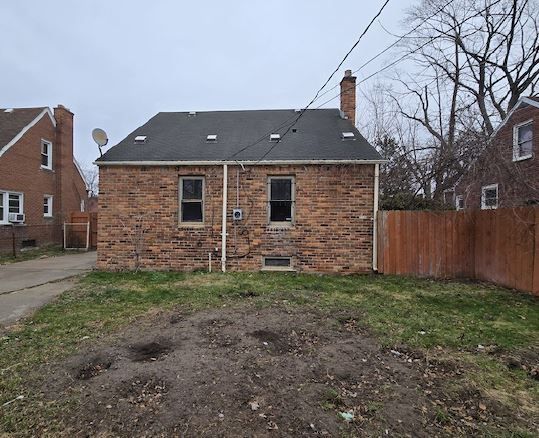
[30, 254]
[401, 354]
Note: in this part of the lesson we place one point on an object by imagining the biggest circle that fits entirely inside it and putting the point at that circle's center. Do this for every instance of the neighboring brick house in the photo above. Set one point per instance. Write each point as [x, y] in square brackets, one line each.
[303, 202]
[507, 173]
[40, 181]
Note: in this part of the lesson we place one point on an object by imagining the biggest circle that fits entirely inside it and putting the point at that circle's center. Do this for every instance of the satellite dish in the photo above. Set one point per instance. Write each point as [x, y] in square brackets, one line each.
[100, 137]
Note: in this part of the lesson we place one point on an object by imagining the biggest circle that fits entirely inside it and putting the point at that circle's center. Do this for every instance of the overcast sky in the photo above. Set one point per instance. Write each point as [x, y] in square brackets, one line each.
[117, 63]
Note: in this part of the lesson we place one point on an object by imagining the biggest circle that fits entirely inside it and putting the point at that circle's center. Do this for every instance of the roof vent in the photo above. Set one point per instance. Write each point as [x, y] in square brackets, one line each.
[9, 110]
[348, 136]
[298, 110]
[211, 138]
[275, 137]
[192, 113]
[139, 139]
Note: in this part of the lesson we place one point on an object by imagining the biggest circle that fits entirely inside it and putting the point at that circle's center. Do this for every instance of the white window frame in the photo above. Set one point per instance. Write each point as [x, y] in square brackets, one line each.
[82, 206]
[4, 220]
[203, 200]
[49, 155]
[483, 204]
[49, 205]
[293, 200]
[516, 146]
[457, 199]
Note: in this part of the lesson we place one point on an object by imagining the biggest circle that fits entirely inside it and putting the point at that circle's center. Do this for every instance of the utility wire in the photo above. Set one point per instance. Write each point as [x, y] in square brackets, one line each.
[317, 93]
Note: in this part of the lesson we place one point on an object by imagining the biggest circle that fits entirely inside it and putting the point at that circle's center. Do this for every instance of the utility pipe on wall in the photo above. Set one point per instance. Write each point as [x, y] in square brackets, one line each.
[375, 218]
[223, 227]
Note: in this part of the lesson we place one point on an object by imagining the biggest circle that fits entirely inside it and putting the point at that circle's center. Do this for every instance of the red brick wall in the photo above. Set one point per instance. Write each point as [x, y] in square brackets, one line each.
[518, 181]
[332, 230]
[20, 171]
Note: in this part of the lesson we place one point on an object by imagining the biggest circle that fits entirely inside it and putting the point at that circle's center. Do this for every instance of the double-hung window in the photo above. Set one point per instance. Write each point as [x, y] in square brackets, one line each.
[281, 199]
[10, 202]
[523, 141]
[192, 199]
[46, 154]
[459, 202]
[47, 206]
[489, 197]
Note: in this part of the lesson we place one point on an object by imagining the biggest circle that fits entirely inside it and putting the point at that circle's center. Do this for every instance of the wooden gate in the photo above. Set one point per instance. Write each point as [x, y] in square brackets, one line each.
[85, 217]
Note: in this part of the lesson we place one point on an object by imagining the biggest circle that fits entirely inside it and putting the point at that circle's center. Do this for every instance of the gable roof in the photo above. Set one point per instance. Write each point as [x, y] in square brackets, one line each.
[522, 102]
[181, 138]
[14, 122]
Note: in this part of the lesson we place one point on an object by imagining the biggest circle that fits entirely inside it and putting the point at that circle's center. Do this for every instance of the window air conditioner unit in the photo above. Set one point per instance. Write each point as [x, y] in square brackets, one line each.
[16, 218]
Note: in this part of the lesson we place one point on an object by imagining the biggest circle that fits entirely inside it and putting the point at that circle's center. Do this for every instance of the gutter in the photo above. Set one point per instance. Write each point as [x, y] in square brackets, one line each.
[375, 218]
[222, 163]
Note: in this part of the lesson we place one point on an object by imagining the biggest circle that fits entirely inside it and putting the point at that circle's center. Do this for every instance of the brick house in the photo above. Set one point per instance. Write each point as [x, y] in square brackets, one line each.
[507, 173]
[229, 189]
[40, 181]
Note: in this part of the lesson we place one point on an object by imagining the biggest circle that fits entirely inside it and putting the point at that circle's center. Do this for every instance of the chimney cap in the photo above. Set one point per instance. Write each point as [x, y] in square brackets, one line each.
[348, 73]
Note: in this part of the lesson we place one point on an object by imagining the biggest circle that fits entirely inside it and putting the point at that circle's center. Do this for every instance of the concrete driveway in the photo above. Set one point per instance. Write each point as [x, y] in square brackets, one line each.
[25, 286]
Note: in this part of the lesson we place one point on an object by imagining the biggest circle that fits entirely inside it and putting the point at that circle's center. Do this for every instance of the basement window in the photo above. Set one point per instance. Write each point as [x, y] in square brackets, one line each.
[275, 137]
[348, 136]
[212, 138]
[277, 263]
[192, 200]
[139, 139]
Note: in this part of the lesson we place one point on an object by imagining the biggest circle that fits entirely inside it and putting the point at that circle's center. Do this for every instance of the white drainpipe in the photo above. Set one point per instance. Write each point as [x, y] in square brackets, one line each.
[375, 219]
[223, 227]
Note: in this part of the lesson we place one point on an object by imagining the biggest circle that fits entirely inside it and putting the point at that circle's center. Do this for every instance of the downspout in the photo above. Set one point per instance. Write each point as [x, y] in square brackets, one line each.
[375, 219]
[223, 226]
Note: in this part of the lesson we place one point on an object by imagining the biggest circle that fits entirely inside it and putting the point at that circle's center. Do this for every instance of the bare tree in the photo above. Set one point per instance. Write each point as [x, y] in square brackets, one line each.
[469, 63]
[91, 174]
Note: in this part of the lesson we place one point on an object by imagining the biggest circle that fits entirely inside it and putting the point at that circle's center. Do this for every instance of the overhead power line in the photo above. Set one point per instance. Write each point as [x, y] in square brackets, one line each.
[317, 93]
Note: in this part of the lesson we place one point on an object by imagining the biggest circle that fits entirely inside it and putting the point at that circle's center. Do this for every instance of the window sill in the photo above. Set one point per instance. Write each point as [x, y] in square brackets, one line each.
[50, 169]
[278, 269]
[279, 226]
[194, 225]
[525, 157]
[48, 217]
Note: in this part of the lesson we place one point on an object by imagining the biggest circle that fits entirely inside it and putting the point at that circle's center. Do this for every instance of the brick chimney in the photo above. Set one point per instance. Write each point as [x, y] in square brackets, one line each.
[63, 159]
[348, 96]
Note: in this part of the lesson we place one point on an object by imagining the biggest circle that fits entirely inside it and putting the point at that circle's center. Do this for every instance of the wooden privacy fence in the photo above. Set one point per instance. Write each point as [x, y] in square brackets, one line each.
[77, 235]
[501, 246]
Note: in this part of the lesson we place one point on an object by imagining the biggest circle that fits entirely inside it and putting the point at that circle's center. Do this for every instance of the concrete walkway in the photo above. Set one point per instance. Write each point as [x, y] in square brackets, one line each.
[26, 286]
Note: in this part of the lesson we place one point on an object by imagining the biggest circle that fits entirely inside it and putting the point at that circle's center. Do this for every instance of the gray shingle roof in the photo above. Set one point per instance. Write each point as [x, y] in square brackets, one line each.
[13, 122]
[179, 136]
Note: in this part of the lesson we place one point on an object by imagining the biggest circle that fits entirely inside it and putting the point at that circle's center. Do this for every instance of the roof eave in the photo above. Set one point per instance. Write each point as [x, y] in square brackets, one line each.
[233, 162]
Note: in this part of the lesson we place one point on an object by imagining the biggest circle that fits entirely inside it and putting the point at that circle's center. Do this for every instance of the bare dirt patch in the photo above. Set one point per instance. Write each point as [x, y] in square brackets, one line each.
[271, 372]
